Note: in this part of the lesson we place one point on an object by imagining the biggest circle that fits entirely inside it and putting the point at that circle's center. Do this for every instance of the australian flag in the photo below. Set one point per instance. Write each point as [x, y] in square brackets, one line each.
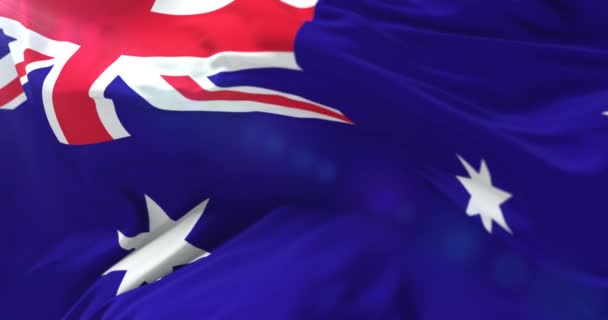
[303, 159]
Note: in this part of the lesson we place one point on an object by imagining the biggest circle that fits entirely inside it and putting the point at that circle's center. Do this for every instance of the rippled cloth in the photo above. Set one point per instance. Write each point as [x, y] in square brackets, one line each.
[452, 163]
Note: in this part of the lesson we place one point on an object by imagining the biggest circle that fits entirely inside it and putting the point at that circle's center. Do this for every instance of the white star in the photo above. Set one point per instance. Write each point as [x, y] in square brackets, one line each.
[485, 198]
[161, 249]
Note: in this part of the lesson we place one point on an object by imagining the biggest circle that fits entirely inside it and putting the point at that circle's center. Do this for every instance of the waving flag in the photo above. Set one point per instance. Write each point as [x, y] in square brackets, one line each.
[288, 159]
[170, 72]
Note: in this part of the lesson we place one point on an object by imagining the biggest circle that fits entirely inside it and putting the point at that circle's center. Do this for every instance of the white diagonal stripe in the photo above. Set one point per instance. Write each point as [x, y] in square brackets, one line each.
[8, 72]
[301, 3]
[13, 104]
[188, 7]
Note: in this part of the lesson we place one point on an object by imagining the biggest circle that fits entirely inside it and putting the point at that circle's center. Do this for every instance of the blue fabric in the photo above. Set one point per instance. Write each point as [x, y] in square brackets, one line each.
[311, 219]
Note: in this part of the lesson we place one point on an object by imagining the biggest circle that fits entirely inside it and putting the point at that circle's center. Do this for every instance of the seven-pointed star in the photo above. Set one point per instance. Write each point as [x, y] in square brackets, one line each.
[161, 249]
[485, 198]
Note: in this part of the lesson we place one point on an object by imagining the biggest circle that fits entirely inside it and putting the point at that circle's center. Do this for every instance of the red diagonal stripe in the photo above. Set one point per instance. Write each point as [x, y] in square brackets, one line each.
[191, 90]
[10, 92]
[29, 57]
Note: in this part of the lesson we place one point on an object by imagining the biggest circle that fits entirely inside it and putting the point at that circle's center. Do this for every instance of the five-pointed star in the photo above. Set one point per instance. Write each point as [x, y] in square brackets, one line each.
[161, 249]
[485, 198]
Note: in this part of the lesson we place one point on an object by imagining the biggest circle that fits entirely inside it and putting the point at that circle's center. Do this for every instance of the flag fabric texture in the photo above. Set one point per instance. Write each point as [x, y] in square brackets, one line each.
[295, 159]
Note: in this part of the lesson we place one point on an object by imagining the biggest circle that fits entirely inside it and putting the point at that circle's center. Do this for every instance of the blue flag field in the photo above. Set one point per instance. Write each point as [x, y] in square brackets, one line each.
[298, 159]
